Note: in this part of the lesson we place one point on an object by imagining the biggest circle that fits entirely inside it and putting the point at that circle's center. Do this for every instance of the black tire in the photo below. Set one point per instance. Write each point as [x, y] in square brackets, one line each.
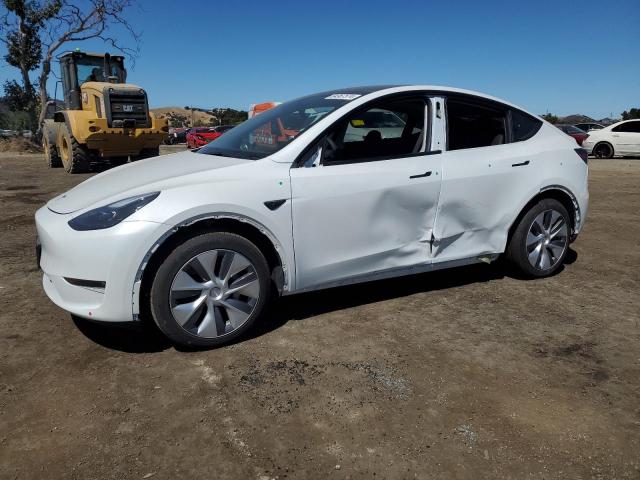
[51, 153]
[603, 150]
[146, 153]
[181, 255]
[518, 252]
[75, 158]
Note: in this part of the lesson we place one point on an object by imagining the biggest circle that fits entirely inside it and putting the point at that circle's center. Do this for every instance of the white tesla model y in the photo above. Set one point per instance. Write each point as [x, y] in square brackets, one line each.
[329, 189]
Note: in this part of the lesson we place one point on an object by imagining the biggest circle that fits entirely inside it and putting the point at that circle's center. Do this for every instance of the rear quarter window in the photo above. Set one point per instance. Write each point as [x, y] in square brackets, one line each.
[632, 127]
[523, 126]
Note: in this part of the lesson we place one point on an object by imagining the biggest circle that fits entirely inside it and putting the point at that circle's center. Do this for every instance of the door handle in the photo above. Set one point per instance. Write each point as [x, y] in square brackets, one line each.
[425, 174]
[520, 164]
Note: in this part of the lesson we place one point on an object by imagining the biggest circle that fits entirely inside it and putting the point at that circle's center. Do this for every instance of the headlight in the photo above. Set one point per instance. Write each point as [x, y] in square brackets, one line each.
[112, 214]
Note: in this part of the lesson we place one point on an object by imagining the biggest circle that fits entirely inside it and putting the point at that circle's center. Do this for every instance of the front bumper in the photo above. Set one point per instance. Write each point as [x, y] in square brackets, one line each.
[114, 141]
[112, 256]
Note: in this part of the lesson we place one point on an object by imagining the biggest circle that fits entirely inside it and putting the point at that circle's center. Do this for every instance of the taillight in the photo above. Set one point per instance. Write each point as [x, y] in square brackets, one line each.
[582, 153]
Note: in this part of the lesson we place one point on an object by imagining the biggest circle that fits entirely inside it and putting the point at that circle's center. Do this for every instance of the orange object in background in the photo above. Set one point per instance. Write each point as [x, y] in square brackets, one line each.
[258, 108]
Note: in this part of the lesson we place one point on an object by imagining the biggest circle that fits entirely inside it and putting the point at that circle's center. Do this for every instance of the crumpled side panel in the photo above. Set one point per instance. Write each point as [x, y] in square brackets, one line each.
[481, 195]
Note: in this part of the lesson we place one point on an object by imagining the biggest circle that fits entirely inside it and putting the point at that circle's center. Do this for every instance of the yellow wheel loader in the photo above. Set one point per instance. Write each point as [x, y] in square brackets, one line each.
[104, 119]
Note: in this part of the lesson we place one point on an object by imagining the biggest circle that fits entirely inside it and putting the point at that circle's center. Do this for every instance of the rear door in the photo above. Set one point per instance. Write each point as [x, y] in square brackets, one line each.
[484, 177]
[364, 205]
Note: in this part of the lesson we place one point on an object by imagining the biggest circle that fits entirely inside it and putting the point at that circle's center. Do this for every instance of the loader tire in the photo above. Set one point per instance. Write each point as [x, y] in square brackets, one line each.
[76, 158]
[51, 153]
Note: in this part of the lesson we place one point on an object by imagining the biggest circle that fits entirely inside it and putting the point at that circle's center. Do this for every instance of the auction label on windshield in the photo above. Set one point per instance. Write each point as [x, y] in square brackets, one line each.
[343, 96]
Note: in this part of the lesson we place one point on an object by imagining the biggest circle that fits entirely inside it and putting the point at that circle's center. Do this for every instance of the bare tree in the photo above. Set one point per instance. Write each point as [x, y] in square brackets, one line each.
[74, 23]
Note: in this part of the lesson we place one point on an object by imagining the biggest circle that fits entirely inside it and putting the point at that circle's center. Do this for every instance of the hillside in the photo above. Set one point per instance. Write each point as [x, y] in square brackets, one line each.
[182, 117]
[579, 118]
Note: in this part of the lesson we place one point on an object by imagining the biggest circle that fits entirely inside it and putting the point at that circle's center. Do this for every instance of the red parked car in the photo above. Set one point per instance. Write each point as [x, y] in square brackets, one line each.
[200, 136]
[575, 132]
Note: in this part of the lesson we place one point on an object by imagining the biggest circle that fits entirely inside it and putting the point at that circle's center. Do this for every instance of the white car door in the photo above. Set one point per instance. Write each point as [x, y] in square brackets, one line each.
[483, 179]
[626, 138]
[365, 208]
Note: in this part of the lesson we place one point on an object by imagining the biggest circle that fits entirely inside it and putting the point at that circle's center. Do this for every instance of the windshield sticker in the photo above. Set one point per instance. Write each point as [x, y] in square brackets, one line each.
[343, 96]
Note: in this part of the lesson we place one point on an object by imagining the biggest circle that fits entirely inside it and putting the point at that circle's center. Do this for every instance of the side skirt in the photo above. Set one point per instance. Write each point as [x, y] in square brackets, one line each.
[397, 272]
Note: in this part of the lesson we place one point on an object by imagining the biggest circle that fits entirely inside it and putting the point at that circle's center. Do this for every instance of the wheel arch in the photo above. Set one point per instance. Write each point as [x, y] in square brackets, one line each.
[246, 227]
[556, 192]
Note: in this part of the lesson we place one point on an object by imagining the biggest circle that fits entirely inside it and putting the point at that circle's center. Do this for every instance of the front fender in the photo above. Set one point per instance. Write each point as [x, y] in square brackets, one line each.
[284, 249]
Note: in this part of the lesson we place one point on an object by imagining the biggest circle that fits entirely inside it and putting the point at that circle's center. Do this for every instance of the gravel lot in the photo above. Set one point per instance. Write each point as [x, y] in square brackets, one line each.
[466, 373]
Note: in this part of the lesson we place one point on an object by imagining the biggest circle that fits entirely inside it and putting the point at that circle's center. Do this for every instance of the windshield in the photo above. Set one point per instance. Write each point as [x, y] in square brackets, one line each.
[272, 130]
[91, 69]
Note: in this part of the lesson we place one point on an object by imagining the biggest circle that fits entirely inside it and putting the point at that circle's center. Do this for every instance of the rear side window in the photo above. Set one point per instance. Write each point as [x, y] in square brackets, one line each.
[633, 127]
[523, 126]
[473, 125]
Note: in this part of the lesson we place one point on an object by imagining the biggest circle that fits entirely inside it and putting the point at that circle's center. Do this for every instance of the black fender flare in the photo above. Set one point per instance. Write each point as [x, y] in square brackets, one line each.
[285, 272]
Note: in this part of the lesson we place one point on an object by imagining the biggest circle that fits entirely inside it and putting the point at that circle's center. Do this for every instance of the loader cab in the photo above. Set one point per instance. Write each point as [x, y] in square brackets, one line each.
[77, 68]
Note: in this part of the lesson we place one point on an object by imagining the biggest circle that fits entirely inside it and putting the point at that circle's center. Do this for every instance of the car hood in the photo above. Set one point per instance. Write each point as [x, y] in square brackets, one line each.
[133, 178]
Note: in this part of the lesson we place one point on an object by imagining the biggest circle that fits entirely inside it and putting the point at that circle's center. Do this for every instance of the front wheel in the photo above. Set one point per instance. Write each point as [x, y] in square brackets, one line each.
[76, 158]
[540, 241]
[210, 290]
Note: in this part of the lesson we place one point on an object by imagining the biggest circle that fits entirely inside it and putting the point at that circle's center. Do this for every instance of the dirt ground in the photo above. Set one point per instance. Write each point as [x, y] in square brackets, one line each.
[467, 373]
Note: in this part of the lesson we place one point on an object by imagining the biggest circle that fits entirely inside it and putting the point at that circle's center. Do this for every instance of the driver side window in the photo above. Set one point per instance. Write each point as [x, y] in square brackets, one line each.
[380, 131]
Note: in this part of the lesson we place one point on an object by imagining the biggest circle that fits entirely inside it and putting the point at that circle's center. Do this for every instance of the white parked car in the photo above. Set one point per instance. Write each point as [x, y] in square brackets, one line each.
[622, 138]
[288, 202]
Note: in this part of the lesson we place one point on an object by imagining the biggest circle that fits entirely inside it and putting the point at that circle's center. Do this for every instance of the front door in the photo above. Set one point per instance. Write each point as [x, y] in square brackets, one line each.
[364, 197]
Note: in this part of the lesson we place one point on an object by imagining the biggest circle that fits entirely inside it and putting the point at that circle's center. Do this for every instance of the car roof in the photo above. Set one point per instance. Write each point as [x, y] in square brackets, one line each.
[378, 90]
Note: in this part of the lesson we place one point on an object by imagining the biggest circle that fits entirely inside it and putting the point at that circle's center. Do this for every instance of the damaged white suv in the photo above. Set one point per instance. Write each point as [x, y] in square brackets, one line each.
[329, 189]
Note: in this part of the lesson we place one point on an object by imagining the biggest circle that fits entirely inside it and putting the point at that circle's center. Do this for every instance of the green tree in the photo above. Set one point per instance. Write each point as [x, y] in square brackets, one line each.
[631, 114]
[22, 21]
[550, 117]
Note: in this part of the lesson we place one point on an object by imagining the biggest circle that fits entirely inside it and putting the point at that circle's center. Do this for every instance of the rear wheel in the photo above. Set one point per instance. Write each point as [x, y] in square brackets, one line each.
[603, 150]
[50, 152]
[76, 158]
[210, 290]
[539, 243]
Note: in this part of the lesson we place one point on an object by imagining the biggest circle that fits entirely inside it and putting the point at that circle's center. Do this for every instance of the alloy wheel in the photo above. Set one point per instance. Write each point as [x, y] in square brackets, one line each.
[214, 293]
[547, 239]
